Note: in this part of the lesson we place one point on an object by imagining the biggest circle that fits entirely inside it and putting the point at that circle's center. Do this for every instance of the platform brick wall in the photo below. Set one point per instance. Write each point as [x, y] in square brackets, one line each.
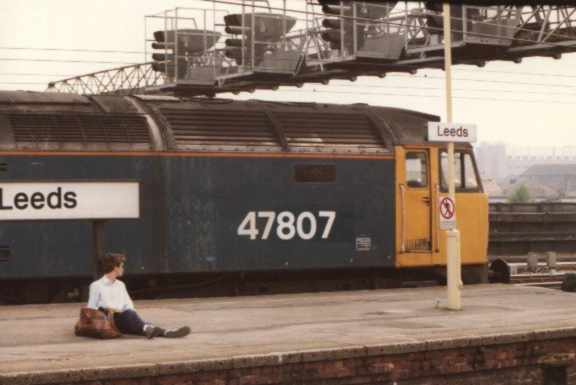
[539, 362]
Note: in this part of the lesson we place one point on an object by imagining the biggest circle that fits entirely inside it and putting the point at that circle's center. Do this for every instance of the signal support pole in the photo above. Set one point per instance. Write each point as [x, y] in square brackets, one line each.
[453, 263]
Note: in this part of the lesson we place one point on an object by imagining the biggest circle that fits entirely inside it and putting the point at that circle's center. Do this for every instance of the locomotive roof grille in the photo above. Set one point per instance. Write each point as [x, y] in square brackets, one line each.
[333, 129]
[38, 121]
[268, 128]
[83, 128]
[209, 127]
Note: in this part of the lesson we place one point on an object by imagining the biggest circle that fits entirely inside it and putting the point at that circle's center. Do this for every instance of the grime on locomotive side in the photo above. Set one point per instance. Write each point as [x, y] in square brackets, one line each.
[235, 186]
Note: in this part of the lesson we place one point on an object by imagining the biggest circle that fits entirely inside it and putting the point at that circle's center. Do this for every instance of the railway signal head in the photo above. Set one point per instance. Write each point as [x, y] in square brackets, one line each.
[164, 61]
[177, 46]
[335, 7]
[237, 24]
[333, 32]
[254, 34]
[233, 49]
[338, 26]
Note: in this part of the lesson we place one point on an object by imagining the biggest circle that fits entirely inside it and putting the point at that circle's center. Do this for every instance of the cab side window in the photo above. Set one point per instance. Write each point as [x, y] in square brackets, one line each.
[416, 169]
[466, 177]
[470, 177]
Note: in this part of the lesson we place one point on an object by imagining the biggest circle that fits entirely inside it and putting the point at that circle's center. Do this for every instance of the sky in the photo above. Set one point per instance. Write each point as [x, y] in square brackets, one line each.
[527, 104]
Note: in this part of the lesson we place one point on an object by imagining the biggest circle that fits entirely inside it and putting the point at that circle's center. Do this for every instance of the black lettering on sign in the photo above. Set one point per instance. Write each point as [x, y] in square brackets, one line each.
[459, 132]
[21, 201]
[70, 198]
[2, 206]
[55, 200]
[37, 200]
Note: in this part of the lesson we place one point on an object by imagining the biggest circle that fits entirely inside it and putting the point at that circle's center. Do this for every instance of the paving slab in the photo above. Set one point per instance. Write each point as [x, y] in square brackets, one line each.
[39, 338]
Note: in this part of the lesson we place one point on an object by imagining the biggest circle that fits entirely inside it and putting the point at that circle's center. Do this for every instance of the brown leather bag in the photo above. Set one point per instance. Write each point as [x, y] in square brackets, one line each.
[96, 324]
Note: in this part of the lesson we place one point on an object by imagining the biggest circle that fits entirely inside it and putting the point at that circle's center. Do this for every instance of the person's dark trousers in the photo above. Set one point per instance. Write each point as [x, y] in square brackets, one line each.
[129, 322]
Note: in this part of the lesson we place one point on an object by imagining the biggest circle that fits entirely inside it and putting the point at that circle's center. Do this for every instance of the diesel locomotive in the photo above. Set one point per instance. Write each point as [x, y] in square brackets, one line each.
[231, 188]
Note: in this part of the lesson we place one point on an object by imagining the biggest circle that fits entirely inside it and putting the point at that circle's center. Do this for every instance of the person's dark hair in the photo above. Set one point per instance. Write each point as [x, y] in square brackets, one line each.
[110, 260]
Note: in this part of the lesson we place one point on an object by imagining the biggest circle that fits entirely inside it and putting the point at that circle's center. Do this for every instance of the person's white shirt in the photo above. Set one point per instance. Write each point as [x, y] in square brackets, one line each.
[110, 294]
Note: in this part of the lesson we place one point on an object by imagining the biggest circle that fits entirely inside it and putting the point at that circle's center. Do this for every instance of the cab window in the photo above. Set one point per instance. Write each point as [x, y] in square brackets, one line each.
[466, 177]
[416, 169]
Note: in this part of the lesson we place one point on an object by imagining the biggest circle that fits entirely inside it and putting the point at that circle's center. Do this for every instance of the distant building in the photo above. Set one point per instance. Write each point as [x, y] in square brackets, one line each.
[549, 173]
[492, 161]
[545, 182]
[538, 192]
[494, 191]
[520, 159]
[559, 177]
[491, 187]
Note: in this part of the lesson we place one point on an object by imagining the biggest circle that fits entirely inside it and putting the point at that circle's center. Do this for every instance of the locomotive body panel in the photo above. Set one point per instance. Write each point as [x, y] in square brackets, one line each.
[420, 185]
[215, 214]
[255, 215]
[236, 186]
[64, 248]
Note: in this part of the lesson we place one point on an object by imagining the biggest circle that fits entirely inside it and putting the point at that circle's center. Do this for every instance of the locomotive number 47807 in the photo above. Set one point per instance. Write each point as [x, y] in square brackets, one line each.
[288, 225]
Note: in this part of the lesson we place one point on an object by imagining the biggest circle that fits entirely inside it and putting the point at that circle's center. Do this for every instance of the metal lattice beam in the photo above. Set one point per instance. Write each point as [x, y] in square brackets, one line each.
[118, 81]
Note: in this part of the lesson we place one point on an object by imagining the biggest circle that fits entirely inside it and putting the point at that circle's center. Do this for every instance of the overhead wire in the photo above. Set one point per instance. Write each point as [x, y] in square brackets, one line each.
[30, 74]
[388, 86]
[457, 89]
[393, 75]
[392, 86]
[63, 61]
[363, 93]
[495, 81]
[517, 73]
[369, 86]
[21, 82]
[433, 96]
[82, 50]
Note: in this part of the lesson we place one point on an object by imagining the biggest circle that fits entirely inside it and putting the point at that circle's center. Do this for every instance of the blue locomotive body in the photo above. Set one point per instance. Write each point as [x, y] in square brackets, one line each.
[225, 186]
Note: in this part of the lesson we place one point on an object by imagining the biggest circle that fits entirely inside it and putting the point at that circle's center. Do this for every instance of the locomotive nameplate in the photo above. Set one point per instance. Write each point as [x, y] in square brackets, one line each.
[69, 200]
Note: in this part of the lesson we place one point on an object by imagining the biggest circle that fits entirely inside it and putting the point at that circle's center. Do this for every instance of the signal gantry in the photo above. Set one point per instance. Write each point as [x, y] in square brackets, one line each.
[253, 45]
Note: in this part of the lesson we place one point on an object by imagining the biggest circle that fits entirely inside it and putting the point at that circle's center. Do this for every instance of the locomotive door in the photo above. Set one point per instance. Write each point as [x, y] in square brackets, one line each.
[414, 207]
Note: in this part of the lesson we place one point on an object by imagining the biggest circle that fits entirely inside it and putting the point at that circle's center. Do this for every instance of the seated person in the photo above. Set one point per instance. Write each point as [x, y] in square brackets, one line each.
[109, 294]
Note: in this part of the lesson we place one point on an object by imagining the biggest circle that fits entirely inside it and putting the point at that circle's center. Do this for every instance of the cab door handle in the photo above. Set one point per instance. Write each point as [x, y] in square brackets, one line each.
[426, 200]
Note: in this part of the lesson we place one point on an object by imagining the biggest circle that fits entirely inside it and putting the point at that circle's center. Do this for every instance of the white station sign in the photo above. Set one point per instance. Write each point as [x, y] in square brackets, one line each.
[69, 200]
[453, 132]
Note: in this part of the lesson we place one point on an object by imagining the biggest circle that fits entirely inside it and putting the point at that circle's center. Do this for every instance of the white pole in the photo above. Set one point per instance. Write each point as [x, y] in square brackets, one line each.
[453, 262]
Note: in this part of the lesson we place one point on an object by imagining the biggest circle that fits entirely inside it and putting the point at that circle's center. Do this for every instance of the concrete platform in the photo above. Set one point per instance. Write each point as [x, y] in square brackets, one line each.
[37, 344]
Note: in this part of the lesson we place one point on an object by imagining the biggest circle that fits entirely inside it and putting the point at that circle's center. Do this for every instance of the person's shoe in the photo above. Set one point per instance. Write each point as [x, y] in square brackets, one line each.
[177, 333]
[153, 331]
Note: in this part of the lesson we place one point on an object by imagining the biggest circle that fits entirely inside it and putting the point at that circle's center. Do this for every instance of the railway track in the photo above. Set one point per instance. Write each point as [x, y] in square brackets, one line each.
[536, 241]
[521, 228]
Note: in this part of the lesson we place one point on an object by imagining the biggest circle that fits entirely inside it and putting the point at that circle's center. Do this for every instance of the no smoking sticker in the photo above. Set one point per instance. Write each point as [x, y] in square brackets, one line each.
[447, 213]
